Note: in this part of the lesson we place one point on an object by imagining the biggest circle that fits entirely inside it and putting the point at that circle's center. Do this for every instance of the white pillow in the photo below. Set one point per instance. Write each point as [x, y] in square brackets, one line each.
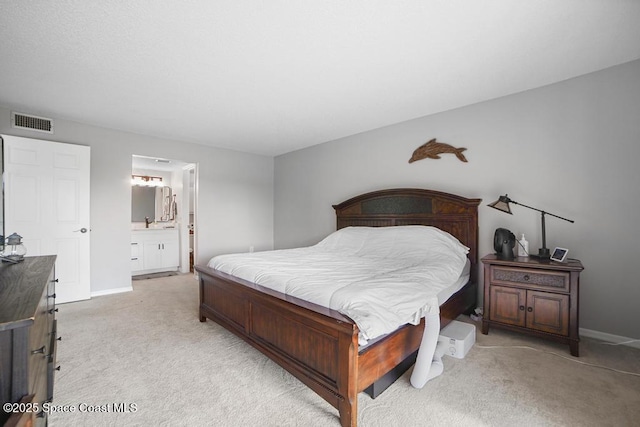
[412, 241]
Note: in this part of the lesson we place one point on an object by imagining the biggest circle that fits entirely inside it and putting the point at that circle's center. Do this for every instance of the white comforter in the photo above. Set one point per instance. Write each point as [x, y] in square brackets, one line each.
[381, 278]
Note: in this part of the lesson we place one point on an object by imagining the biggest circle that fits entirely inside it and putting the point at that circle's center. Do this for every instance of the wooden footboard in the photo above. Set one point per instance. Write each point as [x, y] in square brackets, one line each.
[317, 345]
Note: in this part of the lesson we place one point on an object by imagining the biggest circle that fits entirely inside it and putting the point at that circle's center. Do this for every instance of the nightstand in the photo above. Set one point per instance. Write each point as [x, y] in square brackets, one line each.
[533, 297]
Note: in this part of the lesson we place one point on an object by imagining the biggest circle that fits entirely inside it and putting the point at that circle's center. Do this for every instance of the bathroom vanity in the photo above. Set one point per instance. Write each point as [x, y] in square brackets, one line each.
[154, 250]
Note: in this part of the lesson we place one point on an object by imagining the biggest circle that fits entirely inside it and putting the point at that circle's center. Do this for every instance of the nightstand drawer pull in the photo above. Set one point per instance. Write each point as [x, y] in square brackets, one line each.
[526, 277]
[529, 309]
[522, 308]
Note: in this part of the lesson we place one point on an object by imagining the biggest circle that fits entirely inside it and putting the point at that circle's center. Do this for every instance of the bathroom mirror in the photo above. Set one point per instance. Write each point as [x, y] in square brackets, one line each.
[151, 202]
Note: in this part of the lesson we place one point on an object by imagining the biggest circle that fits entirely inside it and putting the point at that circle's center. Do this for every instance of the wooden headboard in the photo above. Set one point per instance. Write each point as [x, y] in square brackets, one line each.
[411, 206]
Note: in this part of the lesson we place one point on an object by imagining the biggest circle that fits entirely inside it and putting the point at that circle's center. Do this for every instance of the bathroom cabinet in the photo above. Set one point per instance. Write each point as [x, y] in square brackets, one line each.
[154, 250]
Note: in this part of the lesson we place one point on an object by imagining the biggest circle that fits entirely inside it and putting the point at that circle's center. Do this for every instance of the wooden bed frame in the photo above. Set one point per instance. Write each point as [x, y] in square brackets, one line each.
[319, 346]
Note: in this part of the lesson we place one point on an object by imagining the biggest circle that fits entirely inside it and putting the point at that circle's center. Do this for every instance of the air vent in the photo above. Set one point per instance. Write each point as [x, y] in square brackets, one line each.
[25, 121]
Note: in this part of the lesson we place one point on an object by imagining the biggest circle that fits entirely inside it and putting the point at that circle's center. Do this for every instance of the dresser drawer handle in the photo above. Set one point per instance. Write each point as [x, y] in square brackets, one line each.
[522, 308]
[53, 310]
[526, 277]
[40, 350]
[529, 309]
[55, 281]
[51, 296]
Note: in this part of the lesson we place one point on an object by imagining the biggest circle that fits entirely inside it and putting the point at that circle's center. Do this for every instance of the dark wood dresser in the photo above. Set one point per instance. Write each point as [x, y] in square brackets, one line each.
[533, 297]
[27, 340]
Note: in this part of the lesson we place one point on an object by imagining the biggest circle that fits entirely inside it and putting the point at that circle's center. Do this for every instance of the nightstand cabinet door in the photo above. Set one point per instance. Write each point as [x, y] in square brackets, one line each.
[548, 312]
[508, 305]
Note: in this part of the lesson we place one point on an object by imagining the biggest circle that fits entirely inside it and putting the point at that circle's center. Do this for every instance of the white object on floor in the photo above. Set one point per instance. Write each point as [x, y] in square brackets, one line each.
[458, 338]
[429, 361]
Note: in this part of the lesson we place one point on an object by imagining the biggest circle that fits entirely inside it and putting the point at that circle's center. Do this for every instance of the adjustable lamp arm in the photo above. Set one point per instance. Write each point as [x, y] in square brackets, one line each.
[539, 210]
[502, 204]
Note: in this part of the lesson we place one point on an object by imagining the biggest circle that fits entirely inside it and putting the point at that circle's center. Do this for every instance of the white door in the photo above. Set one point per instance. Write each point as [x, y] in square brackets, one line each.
[46, 201]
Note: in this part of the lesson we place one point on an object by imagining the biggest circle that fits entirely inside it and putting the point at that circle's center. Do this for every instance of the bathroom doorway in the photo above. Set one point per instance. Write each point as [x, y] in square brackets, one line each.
[178, 179]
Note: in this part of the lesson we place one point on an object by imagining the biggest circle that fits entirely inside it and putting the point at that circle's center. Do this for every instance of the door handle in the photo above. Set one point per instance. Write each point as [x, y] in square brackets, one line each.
[82, 230]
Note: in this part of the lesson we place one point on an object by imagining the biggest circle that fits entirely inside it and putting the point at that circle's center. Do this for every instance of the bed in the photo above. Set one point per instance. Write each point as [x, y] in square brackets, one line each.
[319, 345]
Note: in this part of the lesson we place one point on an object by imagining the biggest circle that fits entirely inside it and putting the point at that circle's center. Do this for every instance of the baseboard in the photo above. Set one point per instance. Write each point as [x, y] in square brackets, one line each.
[112, 291]
[609, 337]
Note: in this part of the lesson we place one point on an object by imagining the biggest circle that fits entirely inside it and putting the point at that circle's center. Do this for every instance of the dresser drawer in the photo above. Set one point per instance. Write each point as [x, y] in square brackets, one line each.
[51, 360]
[531, 278]
[38, 349]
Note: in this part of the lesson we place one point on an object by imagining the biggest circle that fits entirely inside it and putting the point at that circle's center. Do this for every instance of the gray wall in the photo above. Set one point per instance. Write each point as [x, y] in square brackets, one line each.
[570, 148]
[235, 190]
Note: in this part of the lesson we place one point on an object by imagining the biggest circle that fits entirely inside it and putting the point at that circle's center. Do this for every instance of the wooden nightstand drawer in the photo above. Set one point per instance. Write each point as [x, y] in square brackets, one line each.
[532, 278]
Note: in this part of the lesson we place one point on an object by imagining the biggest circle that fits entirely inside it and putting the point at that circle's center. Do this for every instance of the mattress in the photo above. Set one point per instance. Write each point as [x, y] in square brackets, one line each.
[446, 293]
[382, 278]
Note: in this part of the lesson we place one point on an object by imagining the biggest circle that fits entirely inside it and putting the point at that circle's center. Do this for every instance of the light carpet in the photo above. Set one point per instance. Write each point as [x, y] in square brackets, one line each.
[146, 349]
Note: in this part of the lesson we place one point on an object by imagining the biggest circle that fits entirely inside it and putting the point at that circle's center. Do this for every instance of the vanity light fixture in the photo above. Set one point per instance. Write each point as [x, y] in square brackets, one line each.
[145, 180]
[502, 204]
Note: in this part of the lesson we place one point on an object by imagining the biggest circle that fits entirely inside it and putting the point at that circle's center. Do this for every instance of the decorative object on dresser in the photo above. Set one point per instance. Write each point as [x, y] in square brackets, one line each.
[539, 298]
[13, 251]
[433, 149]
[331, 363]
[28, 336]
[503, 243]
[502, 204]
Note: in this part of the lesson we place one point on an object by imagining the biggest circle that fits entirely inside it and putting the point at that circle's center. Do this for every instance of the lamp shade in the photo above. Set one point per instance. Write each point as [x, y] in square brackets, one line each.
[502, 204]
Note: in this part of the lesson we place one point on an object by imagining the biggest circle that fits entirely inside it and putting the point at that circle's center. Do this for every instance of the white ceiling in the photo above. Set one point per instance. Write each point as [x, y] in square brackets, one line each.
[274, 76]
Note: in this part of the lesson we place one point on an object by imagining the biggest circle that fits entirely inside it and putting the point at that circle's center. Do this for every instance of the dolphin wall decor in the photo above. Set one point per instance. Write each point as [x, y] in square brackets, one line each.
[432, 150]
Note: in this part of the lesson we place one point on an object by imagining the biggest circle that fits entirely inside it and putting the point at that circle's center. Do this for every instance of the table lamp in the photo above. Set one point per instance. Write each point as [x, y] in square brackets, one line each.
[502, 204]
